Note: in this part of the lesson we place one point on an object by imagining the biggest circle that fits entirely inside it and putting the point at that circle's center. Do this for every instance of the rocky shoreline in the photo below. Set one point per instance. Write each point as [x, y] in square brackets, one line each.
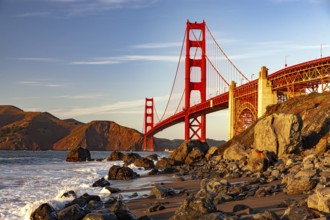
[290, 188]
[278, 168]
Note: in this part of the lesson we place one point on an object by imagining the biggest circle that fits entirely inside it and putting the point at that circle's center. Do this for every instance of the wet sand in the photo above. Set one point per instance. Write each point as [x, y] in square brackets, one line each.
[140, 206]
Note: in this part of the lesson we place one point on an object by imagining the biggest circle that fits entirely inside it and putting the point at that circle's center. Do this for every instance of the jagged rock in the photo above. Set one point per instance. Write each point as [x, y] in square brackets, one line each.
[155, 208]
[113, 189]
[194, 208]
[73, 212]
[309, 173]
[235, 152]
[130, 158]
[299, 185]
[296, 212]
[115, 155]
[101, 183]
[279, 133]
[165, 163]
[145, 163]
[153, 172]
[78, 155]
[121, 173]
[84, 200]
[161, 191]
[267, 215]
[122, 212]
[320, 199]
[68, 194]
[259, 161]
[219, 216]
[152, 157]
[241, 209]
[94, 205]
[100, 216]
[213, 151]
[44, 211]
[189, 151]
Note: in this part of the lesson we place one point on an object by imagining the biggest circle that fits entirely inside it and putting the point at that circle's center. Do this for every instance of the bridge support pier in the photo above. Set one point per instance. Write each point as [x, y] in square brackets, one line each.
[266, 96]
[231, 111]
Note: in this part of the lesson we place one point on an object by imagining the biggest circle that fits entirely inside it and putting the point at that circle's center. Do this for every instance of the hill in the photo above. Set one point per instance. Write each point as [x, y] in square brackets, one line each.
[21, 130]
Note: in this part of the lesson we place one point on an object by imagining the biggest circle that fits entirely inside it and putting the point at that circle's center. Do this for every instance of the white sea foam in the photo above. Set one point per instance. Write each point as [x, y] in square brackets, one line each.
[45, 176]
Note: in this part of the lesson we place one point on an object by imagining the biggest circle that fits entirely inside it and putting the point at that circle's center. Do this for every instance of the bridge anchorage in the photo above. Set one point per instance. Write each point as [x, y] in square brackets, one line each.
[212, 83]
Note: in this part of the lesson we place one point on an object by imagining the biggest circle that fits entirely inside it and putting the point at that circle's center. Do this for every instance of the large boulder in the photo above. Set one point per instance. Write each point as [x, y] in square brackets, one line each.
[235, 152]
[194, 208]
[73, 212]
[130, 158]
[78, 155]
[83, 200]
[161, 192]
[44, 211]
[115, 155]
[145, 163]
[320, 199]
[299, 185]
[259, 161]
[165, 163]
[296, 212]
[279, 133]
[190, 151]
[121, 173]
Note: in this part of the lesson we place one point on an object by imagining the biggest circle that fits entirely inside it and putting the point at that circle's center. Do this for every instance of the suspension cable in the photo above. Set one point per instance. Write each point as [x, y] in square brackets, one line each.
[210, 60]
[226, 55]
[176, 74]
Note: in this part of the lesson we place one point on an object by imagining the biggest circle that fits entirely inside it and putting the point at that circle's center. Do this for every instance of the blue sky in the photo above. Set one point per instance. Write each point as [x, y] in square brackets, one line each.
[99, 59]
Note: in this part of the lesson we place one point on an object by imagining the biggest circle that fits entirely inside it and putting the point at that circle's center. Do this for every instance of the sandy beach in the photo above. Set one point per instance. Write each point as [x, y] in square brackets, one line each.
[260, 204]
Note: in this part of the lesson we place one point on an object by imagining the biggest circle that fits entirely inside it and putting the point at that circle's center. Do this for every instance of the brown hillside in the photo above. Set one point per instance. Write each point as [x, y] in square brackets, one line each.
[9, 114]
[101, 135]
[30, 130]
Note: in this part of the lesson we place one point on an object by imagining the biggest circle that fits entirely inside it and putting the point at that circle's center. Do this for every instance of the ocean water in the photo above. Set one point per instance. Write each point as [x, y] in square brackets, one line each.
[28, 179]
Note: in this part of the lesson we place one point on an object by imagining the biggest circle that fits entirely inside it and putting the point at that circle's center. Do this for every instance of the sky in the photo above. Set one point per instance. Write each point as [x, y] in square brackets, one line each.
[100, 59]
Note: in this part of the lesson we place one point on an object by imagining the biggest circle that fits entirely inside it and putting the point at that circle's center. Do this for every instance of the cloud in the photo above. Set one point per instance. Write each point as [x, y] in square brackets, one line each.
[124, 59]
[85, 96]
[157, 45]
[34, 14]
[75, 7]
[38, 59]
[41, 83]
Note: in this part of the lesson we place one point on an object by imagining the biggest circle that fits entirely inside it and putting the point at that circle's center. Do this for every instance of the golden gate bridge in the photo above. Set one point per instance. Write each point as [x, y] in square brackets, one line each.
[206, 80]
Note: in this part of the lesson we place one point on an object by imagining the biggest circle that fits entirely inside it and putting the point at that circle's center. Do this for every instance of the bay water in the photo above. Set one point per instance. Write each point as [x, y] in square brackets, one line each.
[30, 178]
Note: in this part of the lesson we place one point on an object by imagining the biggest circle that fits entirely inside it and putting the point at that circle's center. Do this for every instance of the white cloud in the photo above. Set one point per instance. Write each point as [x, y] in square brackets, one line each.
[157, 45]
[41, 83]
[123, 59]
[75, 7]
[34, 14]
[84, 96]
[38, 59]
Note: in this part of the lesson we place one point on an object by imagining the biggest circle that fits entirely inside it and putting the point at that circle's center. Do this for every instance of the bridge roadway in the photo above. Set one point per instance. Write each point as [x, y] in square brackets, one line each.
[301, 76]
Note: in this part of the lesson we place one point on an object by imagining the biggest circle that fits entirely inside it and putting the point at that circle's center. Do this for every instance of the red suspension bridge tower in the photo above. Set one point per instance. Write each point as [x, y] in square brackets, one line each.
[195, 125]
